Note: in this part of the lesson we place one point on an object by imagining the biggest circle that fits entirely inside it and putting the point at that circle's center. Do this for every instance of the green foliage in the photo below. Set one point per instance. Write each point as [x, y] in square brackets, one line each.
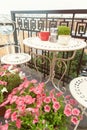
[75, 63]
[13, 80]
[8, 81]
[63, 30]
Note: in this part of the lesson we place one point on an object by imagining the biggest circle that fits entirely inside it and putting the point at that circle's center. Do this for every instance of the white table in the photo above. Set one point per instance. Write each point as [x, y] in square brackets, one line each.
[15, 58]
[78, 89]
[72, 45]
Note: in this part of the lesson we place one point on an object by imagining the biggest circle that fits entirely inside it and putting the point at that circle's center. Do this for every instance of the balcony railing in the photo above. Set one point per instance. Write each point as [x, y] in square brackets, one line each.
[29, 23]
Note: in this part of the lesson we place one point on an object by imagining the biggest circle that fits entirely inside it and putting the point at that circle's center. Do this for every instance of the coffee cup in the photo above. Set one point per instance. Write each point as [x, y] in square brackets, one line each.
[44, 35]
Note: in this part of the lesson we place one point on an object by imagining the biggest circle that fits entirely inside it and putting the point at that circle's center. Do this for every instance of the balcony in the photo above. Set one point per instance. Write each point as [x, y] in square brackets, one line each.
[29, 23]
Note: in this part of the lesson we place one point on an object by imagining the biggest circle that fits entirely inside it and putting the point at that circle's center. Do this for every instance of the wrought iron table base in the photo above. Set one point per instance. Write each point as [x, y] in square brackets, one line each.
[53, 62]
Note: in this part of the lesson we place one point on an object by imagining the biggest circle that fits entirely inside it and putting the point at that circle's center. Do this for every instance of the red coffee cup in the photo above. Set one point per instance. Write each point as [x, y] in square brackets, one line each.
[44, 35]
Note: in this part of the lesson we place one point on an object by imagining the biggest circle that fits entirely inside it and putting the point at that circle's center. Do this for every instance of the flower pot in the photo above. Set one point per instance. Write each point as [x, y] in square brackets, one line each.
[64, 39]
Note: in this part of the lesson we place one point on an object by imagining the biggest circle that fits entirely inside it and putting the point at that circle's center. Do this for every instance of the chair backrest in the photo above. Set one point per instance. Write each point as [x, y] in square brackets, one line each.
[6, 32]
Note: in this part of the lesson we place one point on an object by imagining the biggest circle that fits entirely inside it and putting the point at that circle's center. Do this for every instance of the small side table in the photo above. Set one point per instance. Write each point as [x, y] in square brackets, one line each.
[78, 89]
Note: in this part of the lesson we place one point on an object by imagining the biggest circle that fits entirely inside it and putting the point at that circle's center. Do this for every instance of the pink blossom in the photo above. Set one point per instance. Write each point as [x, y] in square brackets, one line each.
[39, 103]
[5, 67]
[3, 83]
[14, 116]
[29, 99]
[74, 120]
[14, 91]
[73, 102]
[18, 123]
[47, 108]
[68, 106]
[75, 111]
[43, 95]
[35, 120]
[21, 108]
[1, 73]
[4, 127]
[19, 101]
[9, 97]
[56, 105]
[38, 89]
[47, 100]
[35, 111]
[59, 94]
[7, 114]
[68, 96]
[52, 93]
[34, 81]
[13, 99]
[68, 111]
[21, 86]
[26, 83]
[54, 99]
[29, 109]
[4, 103]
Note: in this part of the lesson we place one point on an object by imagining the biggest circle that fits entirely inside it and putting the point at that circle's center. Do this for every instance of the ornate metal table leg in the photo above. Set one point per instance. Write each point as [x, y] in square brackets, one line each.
[36, 57]
[53, 62]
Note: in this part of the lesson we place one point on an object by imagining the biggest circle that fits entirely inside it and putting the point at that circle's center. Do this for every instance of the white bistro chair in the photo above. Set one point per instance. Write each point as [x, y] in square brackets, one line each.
[11, 56]
[78, 89]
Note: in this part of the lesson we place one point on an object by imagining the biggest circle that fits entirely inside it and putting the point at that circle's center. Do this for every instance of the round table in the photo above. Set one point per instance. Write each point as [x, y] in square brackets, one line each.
[73, 44]
[15, 58]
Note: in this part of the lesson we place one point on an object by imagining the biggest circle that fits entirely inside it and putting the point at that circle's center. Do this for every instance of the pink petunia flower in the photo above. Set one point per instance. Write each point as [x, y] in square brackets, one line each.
[13, 99]
[18, 123]
[75, 111]
[14, 116]
[5, 67]
[3, 83]
[21, 108]
[47, 100]
[59, 94]
[4, 127]
[56, 105]
[35, 120]
[68, 111]
[28, 99]
[54, 99]
[52, 93]
[7, 114]
[74, 120]
[73, 102]
[47, 108]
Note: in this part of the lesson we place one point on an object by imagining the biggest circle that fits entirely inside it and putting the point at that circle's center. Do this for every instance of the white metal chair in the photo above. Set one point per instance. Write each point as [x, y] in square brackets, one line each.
[11, 56]
[78, 89]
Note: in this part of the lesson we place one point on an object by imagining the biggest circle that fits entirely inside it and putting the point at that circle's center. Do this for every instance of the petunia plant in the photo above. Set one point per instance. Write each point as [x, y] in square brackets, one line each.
[9, 78]
[31, 107]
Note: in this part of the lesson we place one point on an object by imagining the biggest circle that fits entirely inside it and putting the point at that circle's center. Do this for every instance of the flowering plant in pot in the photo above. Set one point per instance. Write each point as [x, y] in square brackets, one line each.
[9, 78]
[31, 107]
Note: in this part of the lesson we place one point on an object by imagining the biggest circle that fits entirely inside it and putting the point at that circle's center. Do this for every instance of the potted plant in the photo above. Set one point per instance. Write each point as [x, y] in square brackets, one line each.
[9, 79]
[30, 106]
[63, 34]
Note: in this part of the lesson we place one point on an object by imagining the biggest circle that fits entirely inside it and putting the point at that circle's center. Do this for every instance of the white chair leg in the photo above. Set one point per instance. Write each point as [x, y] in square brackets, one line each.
[75, 128]
[83, 112]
